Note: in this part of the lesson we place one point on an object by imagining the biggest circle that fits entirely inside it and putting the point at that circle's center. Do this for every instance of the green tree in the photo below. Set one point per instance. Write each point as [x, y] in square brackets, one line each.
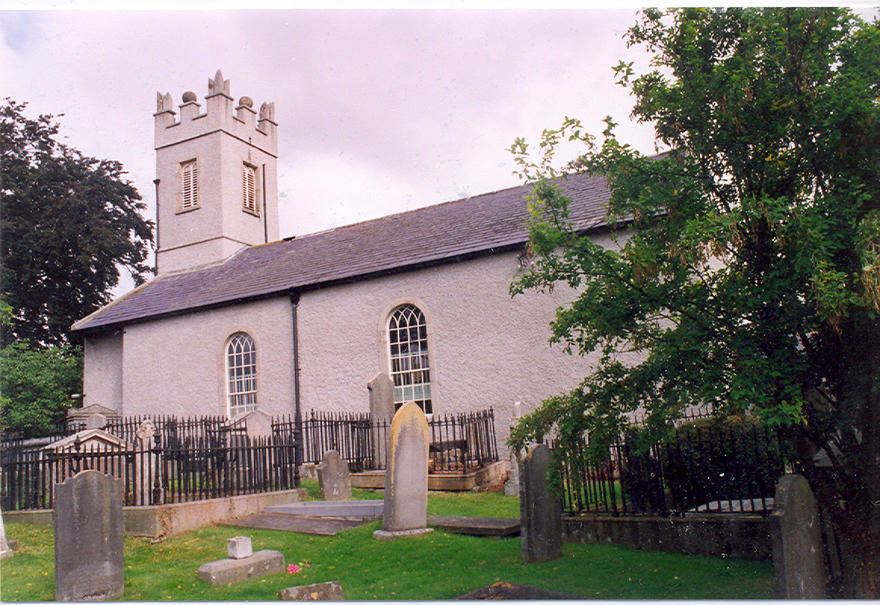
[35, 386]
[748, 278]
[68, 223]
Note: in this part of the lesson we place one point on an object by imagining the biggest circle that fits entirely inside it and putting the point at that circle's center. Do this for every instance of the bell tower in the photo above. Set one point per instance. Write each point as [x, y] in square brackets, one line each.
[216, 177]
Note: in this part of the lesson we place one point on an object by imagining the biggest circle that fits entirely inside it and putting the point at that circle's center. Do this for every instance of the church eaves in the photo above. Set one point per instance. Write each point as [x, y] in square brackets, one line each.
[447, 232]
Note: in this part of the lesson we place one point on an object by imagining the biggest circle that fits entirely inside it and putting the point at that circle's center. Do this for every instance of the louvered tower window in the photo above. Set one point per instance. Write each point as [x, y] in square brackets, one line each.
[241, 374]
[190, 185]
[408, 354]
[249, 188]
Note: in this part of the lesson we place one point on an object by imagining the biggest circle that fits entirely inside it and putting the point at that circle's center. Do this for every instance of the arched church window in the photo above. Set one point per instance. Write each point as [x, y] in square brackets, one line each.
[241, 374]
[408, 356]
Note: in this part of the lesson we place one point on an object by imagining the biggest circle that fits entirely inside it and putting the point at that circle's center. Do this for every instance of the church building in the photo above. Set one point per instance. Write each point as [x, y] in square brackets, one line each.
[237, 319]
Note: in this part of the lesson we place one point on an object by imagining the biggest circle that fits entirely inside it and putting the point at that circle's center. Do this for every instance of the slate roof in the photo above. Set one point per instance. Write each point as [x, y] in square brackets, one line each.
[441, 233]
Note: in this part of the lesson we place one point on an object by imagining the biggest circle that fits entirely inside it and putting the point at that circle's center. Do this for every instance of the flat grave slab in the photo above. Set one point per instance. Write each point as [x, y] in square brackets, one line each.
[477, 526]
[319, 526]
[342, 509]
[505, 591]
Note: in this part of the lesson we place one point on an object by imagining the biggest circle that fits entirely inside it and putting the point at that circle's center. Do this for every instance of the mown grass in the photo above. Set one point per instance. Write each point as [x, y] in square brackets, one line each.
[434, 566]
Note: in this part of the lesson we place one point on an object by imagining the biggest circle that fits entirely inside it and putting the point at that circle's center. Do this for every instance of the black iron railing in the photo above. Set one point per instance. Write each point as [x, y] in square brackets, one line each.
[152, 473]
[459, 442]
[700, 470]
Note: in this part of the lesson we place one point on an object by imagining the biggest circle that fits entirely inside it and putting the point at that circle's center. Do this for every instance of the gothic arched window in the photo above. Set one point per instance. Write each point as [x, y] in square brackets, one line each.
[241, 374]
[408, 356]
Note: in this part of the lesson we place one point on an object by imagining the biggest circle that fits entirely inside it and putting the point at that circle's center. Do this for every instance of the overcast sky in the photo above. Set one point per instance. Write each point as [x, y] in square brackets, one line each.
[379, 111]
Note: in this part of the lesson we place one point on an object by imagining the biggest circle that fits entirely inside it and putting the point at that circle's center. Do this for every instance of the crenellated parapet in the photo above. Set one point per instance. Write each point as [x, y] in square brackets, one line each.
[221, 114]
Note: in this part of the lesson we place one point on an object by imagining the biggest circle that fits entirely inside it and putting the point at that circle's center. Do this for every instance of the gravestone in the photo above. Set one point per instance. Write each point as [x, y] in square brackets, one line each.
[149, 485]
[406, 479]
[798, 558]
[333, 477]
[325, 591]
[96, 421]
[511, 486]
[5, 550]
[540, 512]
[381, 391]
[88, 538]
[144, 434]
[258, 424]
[231, 571]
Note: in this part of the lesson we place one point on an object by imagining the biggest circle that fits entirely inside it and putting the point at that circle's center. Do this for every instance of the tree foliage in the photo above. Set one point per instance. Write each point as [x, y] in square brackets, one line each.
[35, 386]
[748, 278]
[68, 223]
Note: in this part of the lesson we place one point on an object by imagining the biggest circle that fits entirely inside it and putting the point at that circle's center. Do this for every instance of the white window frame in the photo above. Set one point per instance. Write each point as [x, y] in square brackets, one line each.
[241, 374]
[189, 185]
[408, 357]
[249, 189]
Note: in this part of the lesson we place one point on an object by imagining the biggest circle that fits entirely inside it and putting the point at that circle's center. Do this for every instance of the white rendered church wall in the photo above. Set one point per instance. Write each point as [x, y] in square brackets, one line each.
[177, 365]
[102, 371]
[487, 349]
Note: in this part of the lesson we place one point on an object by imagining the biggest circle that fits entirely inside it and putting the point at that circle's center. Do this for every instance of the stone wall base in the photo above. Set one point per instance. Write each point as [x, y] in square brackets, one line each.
[171, 519]
[741, 536]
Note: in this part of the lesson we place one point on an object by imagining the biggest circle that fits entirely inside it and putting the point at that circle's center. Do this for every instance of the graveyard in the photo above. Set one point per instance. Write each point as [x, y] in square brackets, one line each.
[329, 539]
[436, 566]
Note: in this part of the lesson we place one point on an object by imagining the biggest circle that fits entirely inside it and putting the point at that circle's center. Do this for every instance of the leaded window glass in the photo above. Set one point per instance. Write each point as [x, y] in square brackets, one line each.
[408, 355]
[241, 374]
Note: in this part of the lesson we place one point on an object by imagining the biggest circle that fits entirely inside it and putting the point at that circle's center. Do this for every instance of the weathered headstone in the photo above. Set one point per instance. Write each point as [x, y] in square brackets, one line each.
[149, 486]
[406, 478]
[239, 547]
[540, 512]
[5, 550]
[381, 391]
[88, 538]
[144, 434]
[333, 477]
[258, 424]
[511, 486]
[96, 421]
[798, 559]
[325, 591]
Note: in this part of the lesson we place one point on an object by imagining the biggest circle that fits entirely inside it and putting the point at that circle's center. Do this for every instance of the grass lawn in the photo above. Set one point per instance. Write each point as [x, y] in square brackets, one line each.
[434, 566]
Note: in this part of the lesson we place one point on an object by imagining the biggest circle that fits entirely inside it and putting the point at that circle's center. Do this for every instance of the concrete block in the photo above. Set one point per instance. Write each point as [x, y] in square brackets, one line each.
[325, 591]
[229, 571]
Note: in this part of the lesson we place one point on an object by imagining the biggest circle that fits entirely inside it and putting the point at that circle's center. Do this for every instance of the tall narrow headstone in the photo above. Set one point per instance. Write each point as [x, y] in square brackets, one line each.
[511, 486]
[381, 391]
[333, 477]
[148, 480]
[539, 510]
[798, 559]
[406, 479]
[88, 538]
[5, 551]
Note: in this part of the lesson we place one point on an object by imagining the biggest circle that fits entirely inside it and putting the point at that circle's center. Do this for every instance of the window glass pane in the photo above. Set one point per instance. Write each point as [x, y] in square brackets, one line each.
[408, 356]
[241, 374]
